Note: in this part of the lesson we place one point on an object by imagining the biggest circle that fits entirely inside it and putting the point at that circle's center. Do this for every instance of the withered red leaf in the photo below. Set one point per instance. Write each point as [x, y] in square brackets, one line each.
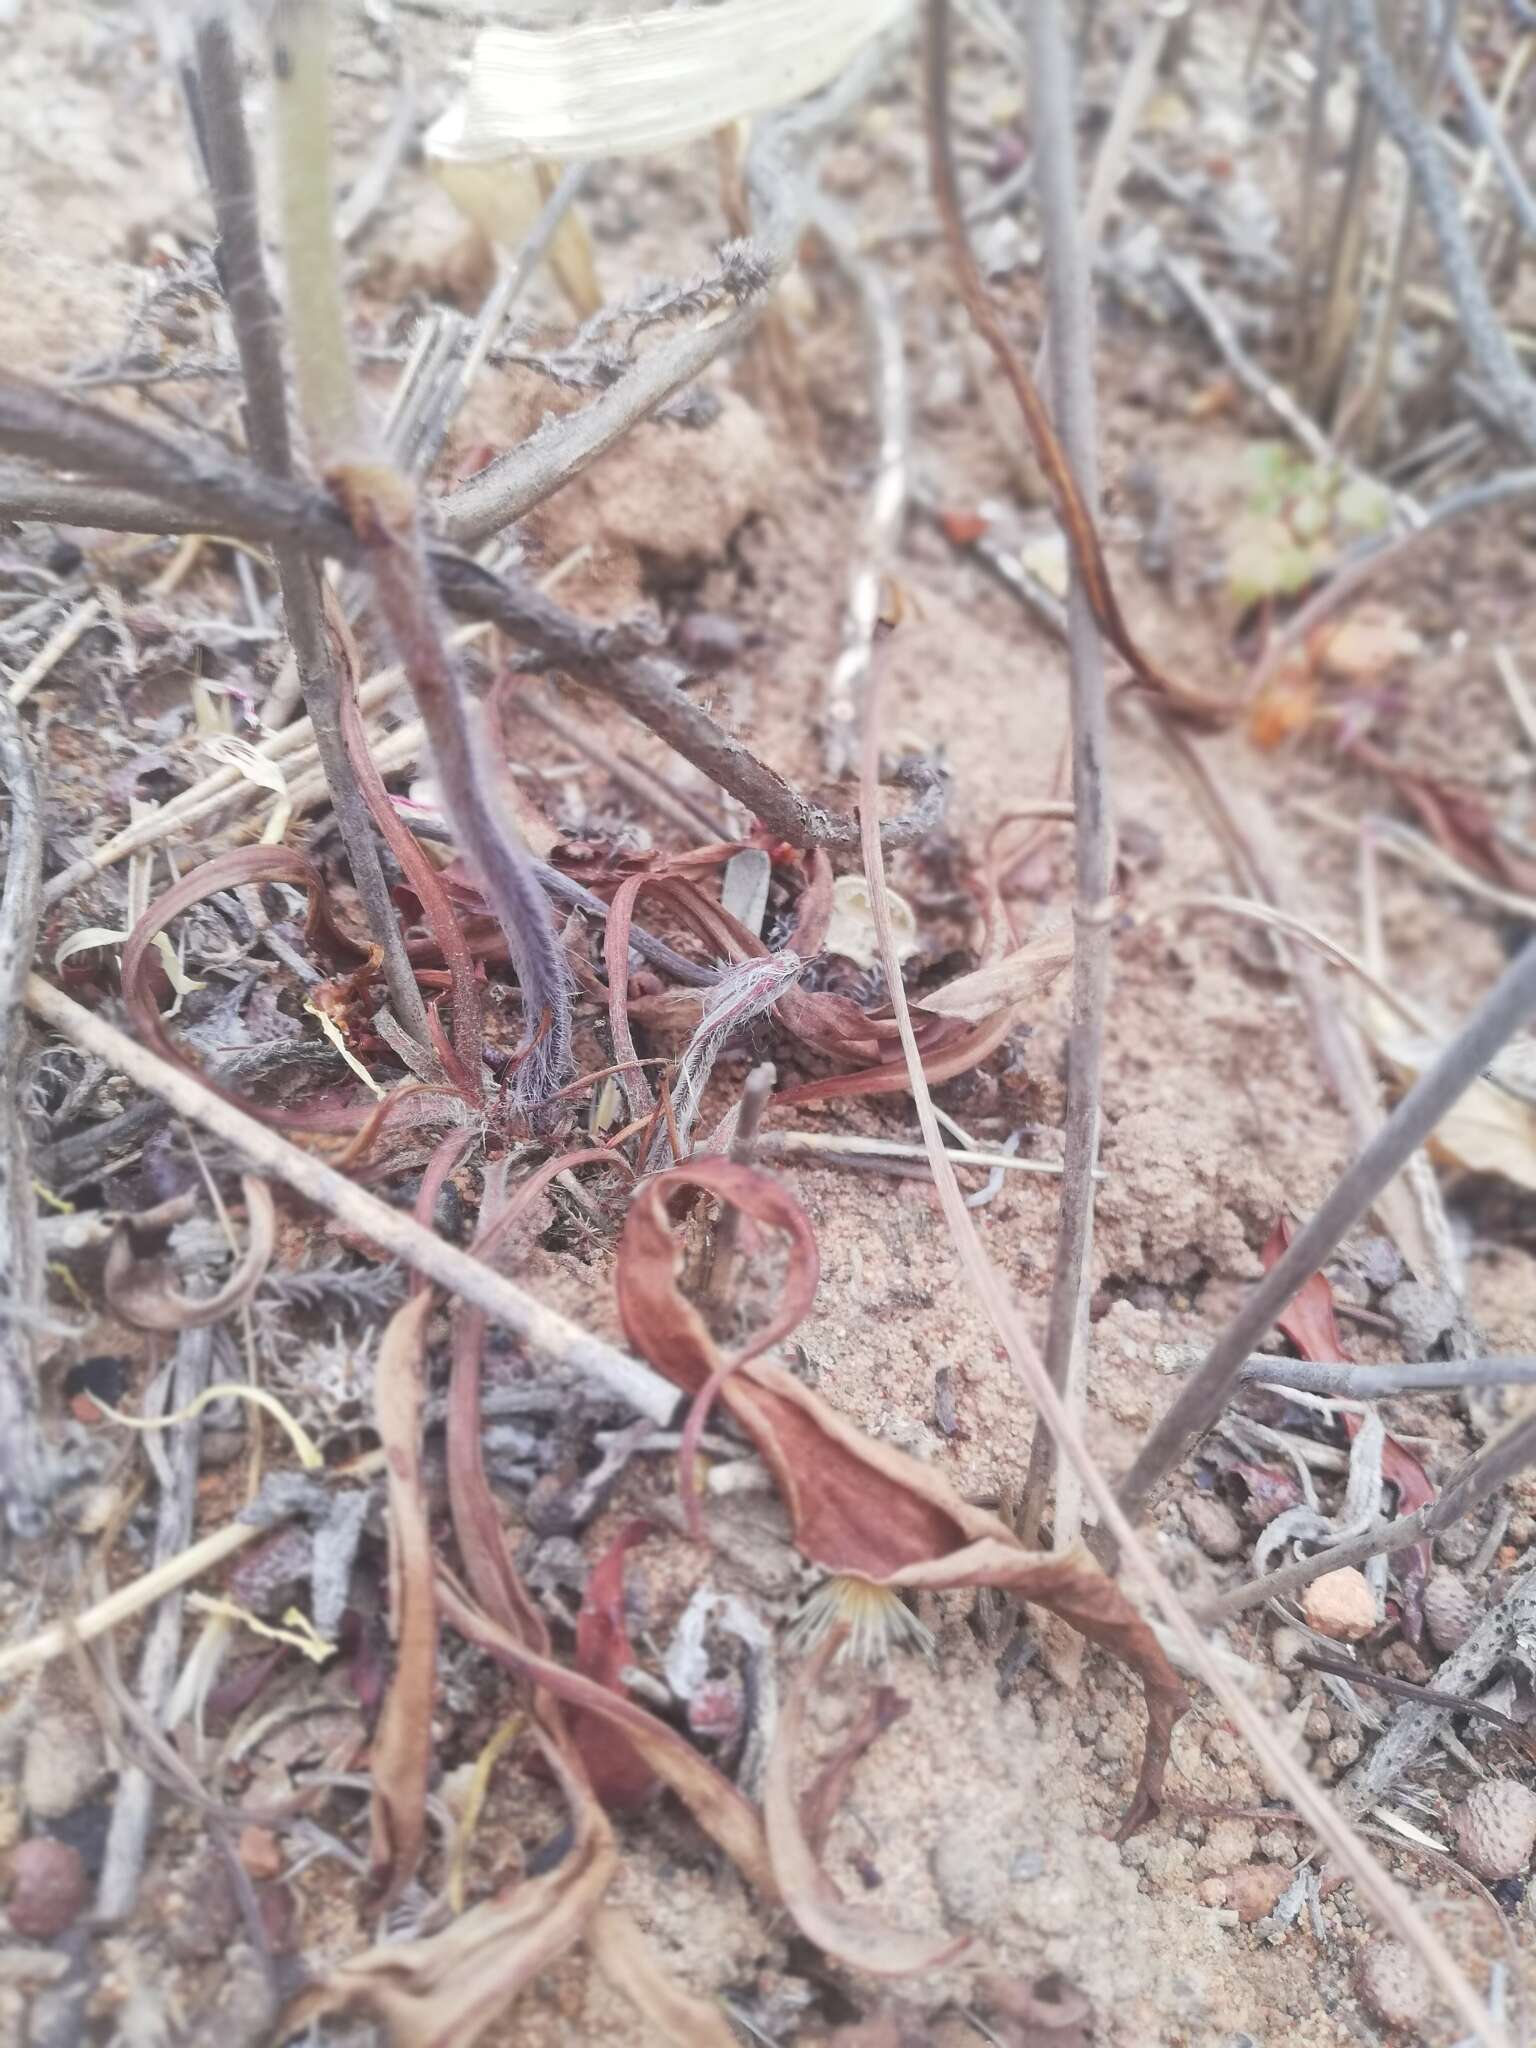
[857, 1506]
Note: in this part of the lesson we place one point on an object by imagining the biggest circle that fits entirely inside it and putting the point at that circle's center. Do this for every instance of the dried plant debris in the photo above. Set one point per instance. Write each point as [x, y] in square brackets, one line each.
[478, 1539]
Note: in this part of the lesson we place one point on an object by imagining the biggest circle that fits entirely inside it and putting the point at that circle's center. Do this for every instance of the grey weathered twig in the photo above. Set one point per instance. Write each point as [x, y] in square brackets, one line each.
[24, 1464]
[394, 1232]
[258, 330]
[202, 487]
[1486, 339]
[134, 1804]
[1502, 1012]
[1070, 328]
[647, 687]
[528, 474]
[1500, 1459]
[885, 503]
[1377, 1382]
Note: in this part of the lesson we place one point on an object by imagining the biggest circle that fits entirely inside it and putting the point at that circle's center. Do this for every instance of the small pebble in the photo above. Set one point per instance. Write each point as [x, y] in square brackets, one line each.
[63, 1764]
[1254, 1889]
[1287, 1646]
[261, 1853]
[1340, 1605]
[47, 1888]
[1213, 1525]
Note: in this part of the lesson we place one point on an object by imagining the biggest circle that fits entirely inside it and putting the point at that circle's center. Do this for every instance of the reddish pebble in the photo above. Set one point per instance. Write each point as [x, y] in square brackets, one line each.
[47, 1888]
[261, 1853]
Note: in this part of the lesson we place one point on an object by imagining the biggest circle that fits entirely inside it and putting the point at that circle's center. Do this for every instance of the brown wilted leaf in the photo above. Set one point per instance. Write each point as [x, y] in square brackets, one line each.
[725, 1814]
[138, 1293]
[444, 1991]
[859, 1507]
[1308, 1319]
[620, 1776]
[855, 1935]
[679, 2017]
[1020, 977]
[402, 1743]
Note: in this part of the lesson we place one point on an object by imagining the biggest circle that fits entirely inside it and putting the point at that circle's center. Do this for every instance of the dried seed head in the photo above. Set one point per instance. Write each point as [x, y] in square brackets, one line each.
[1340, 1604]
[877, 1619]
[1450, 1611]
[1394, 1984]
[1496, 1829]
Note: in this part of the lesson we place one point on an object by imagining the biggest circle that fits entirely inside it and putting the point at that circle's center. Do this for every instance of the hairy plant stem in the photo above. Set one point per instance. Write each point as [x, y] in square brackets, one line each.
[257, 324]
[1508, 1006]
[1070, 328]
[381, 508]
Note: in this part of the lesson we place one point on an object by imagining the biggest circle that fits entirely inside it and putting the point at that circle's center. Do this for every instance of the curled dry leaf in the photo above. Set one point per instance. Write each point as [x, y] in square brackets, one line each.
[859, 1507]
[1019, 977]
[620, 1775]
[725, 1815]
[1308, 1319]
[624, 1956]
[243, 867]
[444, 1991]
[402, 1743]
[854, 1935]
[137, 1291]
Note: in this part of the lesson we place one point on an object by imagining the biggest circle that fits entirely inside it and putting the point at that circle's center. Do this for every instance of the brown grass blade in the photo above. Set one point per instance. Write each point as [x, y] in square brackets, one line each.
[402, 1743]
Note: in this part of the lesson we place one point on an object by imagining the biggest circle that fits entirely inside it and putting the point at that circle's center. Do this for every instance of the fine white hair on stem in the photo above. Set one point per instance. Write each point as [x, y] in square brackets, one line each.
[745, 992]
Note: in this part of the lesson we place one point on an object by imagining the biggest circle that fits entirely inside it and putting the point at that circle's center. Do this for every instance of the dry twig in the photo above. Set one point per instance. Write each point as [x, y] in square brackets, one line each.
[259, 338]
[24, 1467]
[1070, 321]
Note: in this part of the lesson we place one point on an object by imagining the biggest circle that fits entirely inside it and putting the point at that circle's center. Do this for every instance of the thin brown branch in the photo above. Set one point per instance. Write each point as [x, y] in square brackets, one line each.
[257, 325]
[1073, 508]
[604, 657]
[209, 489]
[1070, 322]
[381, 506]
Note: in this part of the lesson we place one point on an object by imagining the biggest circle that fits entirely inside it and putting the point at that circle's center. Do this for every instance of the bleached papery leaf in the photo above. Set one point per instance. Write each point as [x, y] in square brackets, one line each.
[648, 80]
